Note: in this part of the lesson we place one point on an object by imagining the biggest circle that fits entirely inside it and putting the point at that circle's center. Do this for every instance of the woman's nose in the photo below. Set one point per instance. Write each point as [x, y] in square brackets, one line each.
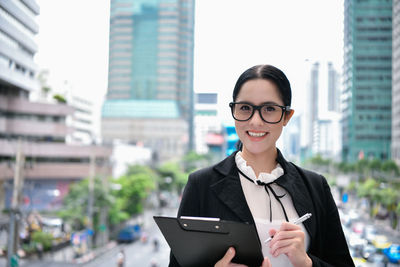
[256, 119]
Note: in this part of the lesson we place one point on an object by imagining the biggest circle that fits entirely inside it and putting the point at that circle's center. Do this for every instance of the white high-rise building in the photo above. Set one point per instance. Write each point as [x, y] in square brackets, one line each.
[206, 119]
[321, 120]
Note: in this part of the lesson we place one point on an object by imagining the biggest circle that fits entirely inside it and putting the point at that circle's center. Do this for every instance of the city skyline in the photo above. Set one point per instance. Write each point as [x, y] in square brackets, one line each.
[282, 33]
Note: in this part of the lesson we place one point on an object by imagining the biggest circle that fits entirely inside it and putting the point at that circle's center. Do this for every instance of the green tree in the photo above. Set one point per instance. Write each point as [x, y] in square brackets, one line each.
[43, 238]
[59, 98]
[193, 161]
[375, 166]
[170, 176]
[389, 199]
[390, 167]
[368, 190]
[362, 167]
[319, 161]
[134, 190]
[76, 203]
[345, 167]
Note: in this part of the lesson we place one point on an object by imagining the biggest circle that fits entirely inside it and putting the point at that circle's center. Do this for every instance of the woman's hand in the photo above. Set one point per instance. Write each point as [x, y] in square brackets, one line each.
[289, 240]
[230, 253]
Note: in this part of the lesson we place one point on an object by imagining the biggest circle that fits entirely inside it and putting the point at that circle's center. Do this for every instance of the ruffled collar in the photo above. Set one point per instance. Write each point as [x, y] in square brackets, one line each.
[263, 176]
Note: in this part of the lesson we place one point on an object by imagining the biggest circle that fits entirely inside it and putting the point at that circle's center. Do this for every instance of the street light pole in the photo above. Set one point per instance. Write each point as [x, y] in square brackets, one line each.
[15, 201]
[91, 197]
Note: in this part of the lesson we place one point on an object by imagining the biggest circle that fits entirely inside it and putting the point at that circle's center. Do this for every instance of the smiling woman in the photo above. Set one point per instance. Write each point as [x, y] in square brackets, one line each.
[256, 185]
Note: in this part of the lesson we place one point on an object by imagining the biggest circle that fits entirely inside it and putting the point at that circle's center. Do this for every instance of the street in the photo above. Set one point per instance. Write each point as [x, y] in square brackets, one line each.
[143, 254]
[136, 253]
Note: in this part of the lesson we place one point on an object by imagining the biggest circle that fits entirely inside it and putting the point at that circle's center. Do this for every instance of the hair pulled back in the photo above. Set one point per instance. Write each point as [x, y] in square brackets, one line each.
[266, 72]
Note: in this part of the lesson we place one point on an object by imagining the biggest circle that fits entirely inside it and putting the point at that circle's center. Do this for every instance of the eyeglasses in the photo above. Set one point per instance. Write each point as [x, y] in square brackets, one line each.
[270, 113]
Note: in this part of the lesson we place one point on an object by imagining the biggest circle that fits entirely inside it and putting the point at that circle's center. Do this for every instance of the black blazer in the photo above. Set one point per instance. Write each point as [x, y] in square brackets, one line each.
[216, 191]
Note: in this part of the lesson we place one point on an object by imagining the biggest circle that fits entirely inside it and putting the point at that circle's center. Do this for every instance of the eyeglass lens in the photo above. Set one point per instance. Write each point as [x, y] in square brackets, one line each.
[268, 112]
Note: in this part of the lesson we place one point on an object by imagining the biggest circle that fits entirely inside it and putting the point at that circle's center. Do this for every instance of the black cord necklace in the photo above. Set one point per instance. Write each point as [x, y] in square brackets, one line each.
[268, 188]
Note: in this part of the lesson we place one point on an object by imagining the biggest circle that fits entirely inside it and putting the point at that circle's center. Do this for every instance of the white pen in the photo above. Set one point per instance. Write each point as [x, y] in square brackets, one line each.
[297, 221]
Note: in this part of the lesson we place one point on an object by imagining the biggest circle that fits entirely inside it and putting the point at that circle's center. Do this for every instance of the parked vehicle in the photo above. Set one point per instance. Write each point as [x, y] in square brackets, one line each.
[392, 253]
[381, 242]
[358, 227]
[129, 234]
[369, 233]
[356, 242]
[369, 252]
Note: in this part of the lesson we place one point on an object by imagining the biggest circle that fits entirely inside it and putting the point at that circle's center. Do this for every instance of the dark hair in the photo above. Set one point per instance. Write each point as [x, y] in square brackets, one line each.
[266, 72]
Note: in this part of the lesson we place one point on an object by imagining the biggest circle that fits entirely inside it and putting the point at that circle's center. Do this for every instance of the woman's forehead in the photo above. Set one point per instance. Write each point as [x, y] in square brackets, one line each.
[259, 91]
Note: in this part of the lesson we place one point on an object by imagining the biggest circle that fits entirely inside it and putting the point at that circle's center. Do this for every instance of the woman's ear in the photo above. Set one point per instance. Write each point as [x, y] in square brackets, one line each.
[287, 116]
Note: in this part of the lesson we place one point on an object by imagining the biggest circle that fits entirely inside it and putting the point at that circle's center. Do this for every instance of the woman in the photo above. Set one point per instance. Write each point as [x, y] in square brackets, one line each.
[257, 185]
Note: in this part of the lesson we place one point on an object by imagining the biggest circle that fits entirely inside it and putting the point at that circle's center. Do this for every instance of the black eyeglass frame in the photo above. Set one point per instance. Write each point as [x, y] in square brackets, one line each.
[255, 107]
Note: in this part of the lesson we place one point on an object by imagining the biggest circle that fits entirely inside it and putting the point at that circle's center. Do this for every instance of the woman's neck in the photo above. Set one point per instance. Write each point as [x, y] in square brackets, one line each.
[262, 162]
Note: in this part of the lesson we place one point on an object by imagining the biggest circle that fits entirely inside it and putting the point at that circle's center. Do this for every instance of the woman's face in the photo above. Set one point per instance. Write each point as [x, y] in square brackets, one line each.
[256, 135]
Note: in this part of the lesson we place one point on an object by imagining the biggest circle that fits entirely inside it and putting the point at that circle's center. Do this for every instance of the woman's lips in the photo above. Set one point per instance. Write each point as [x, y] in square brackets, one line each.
[256, 134]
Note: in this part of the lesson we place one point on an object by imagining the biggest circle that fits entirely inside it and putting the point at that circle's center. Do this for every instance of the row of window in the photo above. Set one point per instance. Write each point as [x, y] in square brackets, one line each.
[34, 139]
[376, 117]
[374, 78]
[373, 107]
[388, 68]
[372, 137]
[32, 117]
[359, 127]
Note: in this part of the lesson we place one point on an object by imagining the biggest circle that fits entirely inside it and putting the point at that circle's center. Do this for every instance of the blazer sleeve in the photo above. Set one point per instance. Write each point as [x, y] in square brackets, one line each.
[189, 206]
[331, 247]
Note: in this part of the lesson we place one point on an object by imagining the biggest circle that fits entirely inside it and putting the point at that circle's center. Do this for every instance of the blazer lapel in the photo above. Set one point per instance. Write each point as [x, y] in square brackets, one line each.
[229, 189]
[294, 184]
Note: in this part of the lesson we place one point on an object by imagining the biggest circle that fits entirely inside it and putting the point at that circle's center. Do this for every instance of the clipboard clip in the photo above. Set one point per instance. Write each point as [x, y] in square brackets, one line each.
[201, 224]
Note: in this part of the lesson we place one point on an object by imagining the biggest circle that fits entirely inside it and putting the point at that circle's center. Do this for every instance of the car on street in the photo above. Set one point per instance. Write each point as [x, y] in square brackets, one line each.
[129, 234]
[368, 252]
[358, 227]
[369, 232]
[392, 253]
[381, 242]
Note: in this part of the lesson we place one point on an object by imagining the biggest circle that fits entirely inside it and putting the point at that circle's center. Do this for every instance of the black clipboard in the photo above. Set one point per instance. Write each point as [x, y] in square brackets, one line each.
[198, 241]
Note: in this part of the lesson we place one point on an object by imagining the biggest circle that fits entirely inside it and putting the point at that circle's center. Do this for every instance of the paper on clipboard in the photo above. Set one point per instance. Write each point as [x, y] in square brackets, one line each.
[203, 242]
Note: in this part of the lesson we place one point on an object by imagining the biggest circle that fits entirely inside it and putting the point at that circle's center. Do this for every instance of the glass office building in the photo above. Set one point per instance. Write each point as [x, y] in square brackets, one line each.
[367, 80]
[151, 58]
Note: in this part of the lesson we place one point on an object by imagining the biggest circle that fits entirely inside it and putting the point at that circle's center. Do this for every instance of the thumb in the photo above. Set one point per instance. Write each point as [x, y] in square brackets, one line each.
[266, 263]
[230, 253]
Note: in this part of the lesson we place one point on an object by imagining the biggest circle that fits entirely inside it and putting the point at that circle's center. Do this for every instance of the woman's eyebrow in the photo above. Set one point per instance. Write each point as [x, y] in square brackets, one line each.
[270, 103]
[263, 103]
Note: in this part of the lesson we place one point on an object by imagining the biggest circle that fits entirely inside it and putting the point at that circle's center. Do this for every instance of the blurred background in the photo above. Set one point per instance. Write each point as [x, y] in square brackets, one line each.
[107, 106]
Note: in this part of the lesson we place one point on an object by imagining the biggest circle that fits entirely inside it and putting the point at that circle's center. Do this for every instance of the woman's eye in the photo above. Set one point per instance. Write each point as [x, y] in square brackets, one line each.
[269, 108]
[245, 108]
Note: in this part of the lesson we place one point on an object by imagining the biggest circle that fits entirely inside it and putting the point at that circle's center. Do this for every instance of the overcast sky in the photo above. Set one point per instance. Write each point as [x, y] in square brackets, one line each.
[230, 36]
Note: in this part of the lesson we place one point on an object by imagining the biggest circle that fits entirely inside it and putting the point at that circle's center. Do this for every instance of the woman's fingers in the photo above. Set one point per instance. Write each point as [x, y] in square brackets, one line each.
[266, 263]
[285, 231]
[286, 226]
[225, 261]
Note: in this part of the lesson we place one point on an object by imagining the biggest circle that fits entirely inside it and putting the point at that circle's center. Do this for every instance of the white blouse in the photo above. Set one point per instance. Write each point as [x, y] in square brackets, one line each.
[259, 203]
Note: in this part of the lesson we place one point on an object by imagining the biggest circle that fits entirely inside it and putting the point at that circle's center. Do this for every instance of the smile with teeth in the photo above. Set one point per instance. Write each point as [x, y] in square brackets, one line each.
[256, 134]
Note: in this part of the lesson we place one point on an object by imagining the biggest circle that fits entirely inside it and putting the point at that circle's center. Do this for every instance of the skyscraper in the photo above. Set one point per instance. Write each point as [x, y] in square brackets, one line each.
[333, 89]
[151, 69]
[396, 83]
[321, 118]
[367, 79]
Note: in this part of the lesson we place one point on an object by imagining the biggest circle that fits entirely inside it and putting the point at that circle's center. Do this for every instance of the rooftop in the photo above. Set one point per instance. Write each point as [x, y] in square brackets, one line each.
[130, 108]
